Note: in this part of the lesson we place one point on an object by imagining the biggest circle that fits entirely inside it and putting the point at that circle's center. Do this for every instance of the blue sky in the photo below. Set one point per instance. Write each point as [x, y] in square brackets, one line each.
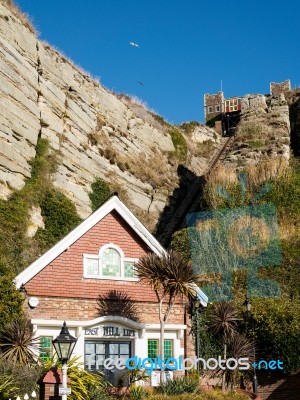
[187, 47]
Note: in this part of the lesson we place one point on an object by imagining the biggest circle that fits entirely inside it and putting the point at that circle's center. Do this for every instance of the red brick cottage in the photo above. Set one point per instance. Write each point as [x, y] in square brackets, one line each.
[88, 280]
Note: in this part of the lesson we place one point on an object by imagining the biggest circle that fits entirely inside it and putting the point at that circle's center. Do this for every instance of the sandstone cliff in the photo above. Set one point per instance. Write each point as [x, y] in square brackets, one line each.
[263, 132]
[94, 132]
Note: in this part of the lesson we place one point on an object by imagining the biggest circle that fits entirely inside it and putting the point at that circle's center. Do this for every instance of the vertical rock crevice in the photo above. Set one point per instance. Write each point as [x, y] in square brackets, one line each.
[39, 92]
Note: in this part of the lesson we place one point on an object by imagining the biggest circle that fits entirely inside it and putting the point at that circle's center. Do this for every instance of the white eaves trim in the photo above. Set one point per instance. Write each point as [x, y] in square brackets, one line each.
[84, 324]
[114, 203]
[110, 318]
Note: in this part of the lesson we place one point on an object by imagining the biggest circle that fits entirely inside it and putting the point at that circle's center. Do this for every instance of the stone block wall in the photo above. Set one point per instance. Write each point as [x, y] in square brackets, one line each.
[213, 104]
[278, 88]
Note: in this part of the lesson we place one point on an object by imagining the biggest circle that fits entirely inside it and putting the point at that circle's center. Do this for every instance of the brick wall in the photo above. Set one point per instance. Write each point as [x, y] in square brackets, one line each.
[87, 309]
[278, 386]
[63, 277]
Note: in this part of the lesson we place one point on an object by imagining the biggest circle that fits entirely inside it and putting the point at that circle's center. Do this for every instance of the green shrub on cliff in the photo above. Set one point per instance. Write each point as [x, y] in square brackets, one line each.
[17, 250]
[99, 194]
[60, 218]
[178, 142]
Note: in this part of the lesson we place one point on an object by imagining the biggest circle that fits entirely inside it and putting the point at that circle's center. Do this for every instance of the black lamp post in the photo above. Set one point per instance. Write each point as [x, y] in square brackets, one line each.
[64, 345]
[197, 309]
[247, 305]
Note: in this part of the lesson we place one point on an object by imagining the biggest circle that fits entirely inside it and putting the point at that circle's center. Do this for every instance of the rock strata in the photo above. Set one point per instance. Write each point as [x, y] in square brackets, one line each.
[94, 131]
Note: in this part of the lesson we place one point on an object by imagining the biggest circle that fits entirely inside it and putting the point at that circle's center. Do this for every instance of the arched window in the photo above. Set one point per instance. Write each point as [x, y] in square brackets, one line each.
[111, 263]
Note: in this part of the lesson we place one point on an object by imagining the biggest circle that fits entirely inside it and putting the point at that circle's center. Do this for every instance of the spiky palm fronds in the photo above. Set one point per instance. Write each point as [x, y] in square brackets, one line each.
[150, 269]
[17, 344]
[239, 346]
[223, 319]
[171, 273]
[242, 346]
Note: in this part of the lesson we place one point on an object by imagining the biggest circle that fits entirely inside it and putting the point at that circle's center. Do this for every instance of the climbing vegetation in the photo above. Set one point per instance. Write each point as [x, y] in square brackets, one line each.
[17, 250]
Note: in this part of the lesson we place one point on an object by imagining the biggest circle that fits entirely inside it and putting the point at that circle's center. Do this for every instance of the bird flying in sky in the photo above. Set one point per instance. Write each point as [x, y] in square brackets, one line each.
[134, 44]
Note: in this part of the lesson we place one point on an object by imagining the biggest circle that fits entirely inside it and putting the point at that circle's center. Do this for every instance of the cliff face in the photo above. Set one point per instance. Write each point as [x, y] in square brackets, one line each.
[93, 131]
[263, 132]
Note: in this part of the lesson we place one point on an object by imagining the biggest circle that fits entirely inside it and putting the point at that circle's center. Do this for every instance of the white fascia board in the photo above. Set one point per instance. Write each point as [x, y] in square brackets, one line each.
[110, 318]
[74, 323]
[168, 327]
[201, 296]
[112, 204]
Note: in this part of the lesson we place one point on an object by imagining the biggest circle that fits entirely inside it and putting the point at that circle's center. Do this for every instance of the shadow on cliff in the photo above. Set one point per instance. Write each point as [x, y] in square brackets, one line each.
[295, 126]
[186, 180]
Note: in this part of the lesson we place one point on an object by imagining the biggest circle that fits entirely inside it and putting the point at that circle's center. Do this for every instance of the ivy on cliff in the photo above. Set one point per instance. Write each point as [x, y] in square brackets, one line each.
[99, 194]
[17, 250]
[179, 143]
[11, 300]
[60, 218]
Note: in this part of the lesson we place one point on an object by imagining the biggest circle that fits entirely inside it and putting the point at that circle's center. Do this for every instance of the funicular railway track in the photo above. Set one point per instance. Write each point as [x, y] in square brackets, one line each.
[192, 196]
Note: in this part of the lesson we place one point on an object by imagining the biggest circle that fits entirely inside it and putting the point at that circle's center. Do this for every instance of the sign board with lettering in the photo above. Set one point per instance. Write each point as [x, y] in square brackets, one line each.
[110, 331]
[64, 390]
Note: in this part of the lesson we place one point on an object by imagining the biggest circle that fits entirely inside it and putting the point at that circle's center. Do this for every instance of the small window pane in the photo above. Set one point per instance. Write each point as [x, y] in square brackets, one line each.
[92, 266]
[45, 348]
[124, 349]
[89, 348]
[100, 348]
[113, 348]
[100, 360]
[111, 263]
[168, 349]
[152, 348]
[129, 270]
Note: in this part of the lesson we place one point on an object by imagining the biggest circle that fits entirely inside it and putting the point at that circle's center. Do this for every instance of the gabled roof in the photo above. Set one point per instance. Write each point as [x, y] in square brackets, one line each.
[114, 203]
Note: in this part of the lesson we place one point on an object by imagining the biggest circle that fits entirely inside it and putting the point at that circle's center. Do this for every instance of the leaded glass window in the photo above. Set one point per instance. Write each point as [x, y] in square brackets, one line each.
[45, 348]
[92, 266]
[111, 263]
[168, 349]
[153, 348]
[129, 269]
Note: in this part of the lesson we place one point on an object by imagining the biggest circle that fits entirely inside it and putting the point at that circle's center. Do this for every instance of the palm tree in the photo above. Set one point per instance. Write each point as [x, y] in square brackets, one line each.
[223, 321]
[169, 276]
[240, 346]
[17, 343]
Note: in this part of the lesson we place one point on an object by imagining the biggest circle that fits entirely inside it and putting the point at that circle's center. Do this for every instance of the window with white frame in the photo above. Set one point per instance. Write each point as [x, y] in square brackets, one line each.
[110, 263]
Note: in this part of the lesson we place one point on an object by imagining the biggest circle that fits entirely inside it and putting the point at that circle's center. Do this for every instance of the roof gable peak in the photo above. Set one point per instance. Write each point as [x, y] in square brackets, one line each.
[113, 203]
